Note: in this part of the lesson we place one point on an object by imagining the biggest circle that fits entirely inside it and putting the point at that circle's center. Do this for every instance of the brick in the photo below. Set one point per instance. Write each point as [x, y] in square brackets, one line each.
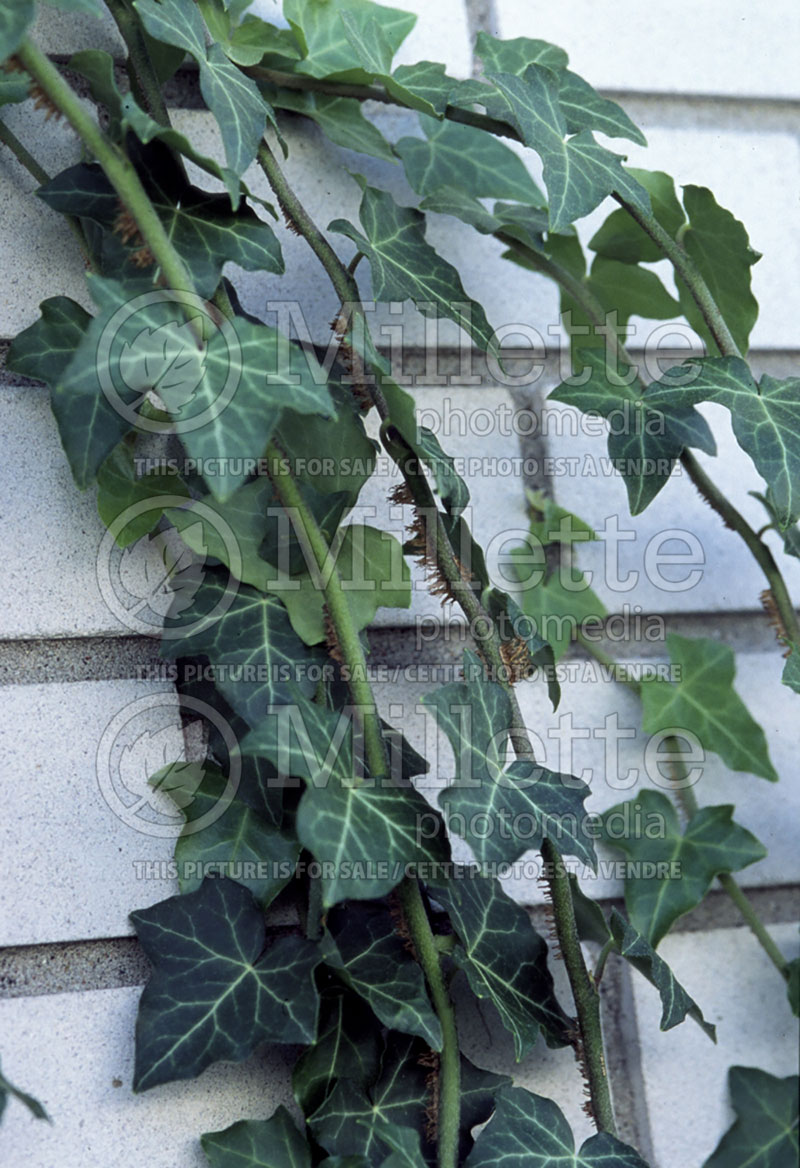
[753, 53]
[739, 990]
[85, 1083]
[73, 860]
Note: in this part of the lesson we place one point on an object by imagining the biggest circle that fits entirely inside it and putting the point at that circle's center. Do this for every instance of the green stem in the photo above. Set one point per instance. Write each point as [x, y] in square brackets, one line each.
[316, 550]
[608, 948]
[26, 159]
[689, 273]
[748, 913]
[587, 999]
[141, 74]
[449, 1115]
[118, 168]
[706, 487]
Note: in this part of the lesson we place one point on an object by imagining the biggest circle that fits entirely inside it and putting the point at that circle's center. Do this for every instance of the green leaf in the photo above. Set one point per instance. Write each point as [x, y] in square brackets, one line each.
[477, 163]
[367, 834]
[675, 1001]
[406, 267]
[215, 992]
[340, 118]
[585, 109]
[258, 658]
[764, 417]
[502, 812]
[551, 523]
[504, 958]
[44, 348]
[529, 1131]
[423, 86]
[347, 1046]
[647, 434]
[578, 172]
[89, 7]
[231, 96]
[253, 1143]
[764, 1134]
[621, 238]
[647, 830]
[352, 1121]
[558, 612]
[205, 232]
[338, 36]
[452, 489]
[720, 248]
[793, 986]
[15, 18]
[6, 1088]
[791, 670]
[514, 56]
[364, 949]
[704, 702]
[790, 535]
[14, 86]
[513, 627]
[120, 488]
[239, 843]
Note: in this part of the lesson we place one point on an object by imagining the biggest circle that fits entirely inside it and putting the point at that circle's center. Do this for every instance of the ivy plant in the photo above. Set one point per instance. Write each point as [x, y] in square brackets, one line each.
[325, 801]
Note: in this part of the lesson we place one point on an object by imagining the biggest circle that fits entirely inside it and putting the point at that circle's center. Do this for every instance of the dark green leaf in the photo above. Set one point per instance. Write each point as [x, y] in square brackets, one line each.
[704, 702]
[791, 670]
[621, 237]
[514, 56]
[364, 949]
[502, 811]
[720, 248]
[44, 348]
[406, 267]
[585, 109]
[578, 172]
[764, 1134]
[339, 47]
[348, 1046]
[215, 992]
[529, 1131]
[504, 958]
[647, 830]
[120, 488]
[514, 626]
[252, 1143]
[341, 118]
[675, 1001]
[238, 843]
[452, 489]
[423, 86]
[454, 155]
[15, 17]
[790, 535]
[793, 986]
[14, 86]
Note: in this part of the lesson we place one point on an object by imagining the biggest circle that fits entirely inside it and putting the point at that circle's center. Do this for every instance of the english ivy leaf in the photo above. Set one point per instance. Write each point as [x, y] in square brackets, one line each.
[352, 1121]
[42, 350]
[705, 703]
[621, 238]
[89, 7]
[120, 488]
[406, 267]
[328, 32]
[675, 1001]
[764, 417]
[719, 246]
[516, 630]
[239, 843]
[504, 958]
[215, 991]
[231, 96]
[529, 1131]
[348, 1046]
[790, 535]
[472, 161]
[253, 1143]
[423, 86]
[502, 811]
[514, 56]
[364, 949]
[15, 18]
[647, 433]
[578, 172]
[551, 523]
[791, 670]
[558, 612]
[764, 1134]
[340, 118]
[647, 830]
[793, 986]
[259, 659]
[7, 1088]
[367, 833]
[14, 86]
[631, 291]
[585, 109]
[452, 489]
[477, 1089]
[205, 232]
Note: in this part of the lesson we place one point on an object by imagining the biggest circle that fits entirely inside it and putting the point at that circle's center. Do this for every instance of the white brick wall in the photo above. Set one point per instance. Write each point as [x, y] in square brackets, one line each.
[71, 859]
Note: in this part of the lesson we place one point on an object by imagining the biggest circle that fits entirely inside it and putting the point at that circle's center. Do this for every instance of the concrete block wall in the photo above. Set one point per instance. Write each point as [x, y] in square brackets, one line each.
[715, 89]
